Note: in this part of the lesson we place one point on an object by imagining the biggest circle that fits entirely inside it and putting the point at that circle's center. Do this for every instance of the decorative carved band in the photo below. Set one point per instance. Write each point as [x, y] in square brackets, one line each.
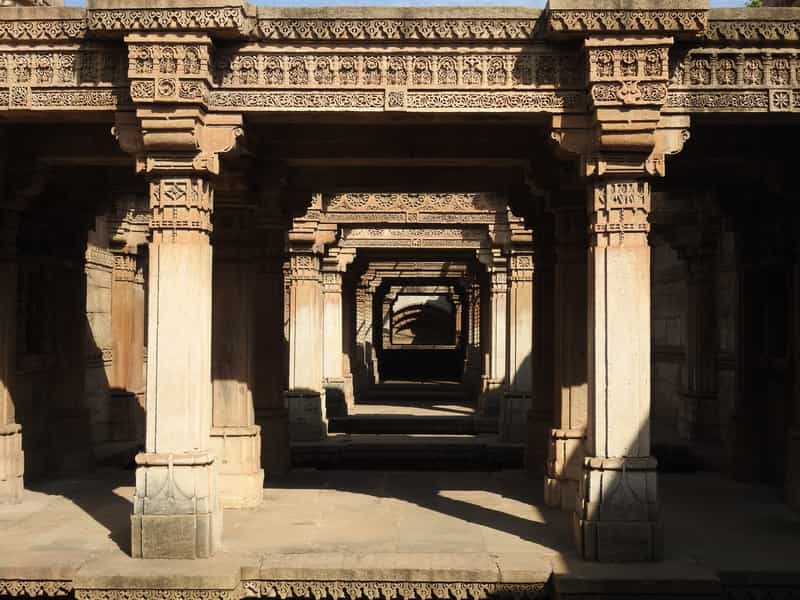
[618, 213]
[281, 589]
[165, 19]
[35, 588]
[181, 209]
[397, 29]
[44, 29]
[404, 590]
[753, 30]
[613, 21]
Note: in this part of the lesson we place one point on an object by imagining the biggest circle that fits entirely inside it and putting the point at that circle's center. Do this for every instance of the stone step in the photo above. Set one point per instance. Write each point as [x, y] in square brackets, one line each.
[411, 424]
[408, 452]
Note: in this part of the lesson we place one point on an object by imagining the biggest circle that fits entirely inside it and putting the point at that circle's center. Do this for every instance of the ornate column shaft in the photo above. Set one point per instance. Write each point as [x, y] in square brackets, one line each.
[495, 378]
[235, 438]
[473, 354]
[701, 347]
[338, 384]
[566, 448]
[271, 350]
[12, 460]
[176, 507]
[517, 398]
[306, 395]
[540, 416]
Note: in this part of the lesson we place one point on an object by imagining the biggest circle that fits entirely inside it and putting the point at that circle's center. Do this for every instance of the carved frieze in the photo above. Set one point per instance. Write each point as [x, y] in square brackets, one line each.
[757, 29]
[390, 237]
[80, 77]
[212, 18]
[43, 29]
[409, 202]
[589, 20]
[397, 29]
[735, 80]
[267, 67]
[35, 588]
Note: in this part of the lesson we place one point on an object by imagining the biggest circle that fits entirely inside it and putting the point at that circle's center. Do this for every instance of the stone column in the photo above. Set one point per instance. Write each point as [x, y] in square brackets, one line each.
[540, 416]
[176, 509]
[137, 381]
[617, 510]
[270, 352]
[365, 295]
[71, 451]
[566, 449]
[332, 336]
[177, 143]
[495, 378]
[12, 463]
[793, 437]
[517, 398]
[473, 355]
[305, 396]
[235, 438]
[701, 356]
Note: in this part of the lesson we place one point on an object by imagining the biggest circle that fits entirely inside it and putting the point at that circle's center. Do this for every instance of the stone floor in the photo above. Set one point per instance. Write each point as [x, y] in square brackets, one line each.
[476, 522]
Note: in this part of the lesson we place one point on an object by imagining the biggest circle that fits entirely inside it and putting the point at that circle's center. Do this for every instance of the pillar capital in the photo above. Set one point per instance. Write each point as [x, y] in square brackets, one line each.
[177, 139]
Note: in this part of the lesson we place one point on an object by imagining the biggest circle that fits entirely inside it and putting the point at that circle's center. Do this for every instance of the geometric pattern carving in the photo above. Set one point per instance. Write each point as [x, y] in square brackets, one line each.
[619, 211]
[181, 208]
[608, 21]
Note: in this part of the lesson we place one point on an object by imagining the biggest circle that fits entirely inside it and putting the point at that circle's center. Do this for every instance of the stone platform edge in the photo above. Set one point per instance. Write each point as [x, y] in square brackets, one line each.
[227, 578]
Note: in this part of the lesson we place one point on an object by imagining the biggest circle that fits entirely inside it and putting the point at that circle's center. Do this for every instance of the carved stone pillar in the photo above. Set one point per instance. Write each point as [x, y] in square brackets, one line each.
[495, 377]
[566, 449]
[517, 398]
[12, 463]
[621, 144]
[473, 354]
[176, 507]
[701, 355]
[71, 451]
[305, 396]
[365, 352]
[617, 509]
[333, 341]
[123, 298]
[177, 144]
[235, 437]
[540, 416]
[270, 351]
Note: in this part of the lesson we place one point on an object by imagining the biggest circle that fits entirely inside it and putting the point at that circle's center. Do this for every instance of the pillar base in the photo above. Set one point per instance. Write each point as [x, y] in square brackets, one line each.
[238, 452]
[275, 457]
[514, 407]
[490, 397]
[565, 456]
[539, 423]
[616, 519]
[793, 469]
[308, 421]
[335, 397]
[176, 511]
[12, 464]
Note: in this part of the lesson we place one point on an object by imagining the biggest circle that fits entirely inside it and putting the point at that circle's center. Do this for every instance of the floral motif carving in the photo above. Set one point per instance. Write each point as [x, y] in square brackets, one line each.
[604, 21]
[35, 587]
[45, 29]
[166, 19]
[397, 29]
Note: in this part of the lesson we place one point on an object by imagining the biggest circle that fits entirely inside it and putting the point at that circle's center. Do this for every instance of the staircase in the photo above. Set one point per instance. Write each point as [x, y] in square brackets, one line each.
[411, 426]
